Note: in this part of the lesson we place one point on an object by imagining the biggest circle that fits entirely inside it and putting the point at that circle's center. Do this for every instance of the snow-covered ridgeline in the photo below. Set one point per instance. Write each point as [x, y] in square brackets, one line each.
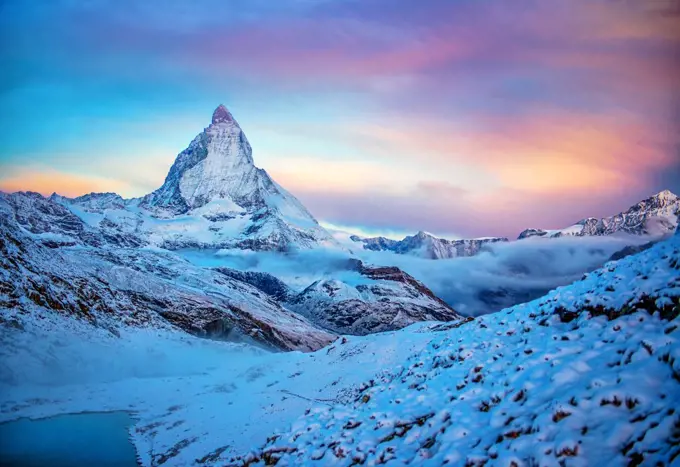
[656, 216]
[428, 246]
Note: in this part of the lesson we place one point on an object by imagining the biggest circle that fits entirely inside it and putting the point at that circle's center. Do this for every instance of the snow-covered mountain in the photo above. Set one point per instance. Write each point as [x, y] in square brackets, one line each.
[51, 263]
[426, 245]
[54, 262]
[213, 197]
[586, 375]
[381, 299]
[657, 215]
[98, 313]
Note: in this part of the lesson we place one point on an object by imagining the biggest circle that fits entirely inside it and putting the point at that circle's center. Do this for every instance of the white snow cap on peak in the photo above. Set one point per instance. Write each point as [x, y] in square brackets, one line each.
[423, 233]
[222, 115]
[666, 194]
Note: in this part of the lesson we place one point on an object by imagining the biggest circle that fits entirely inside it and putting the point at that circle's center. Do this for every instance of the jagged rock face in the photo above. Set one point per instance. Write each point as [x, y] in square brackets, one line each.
[386, 299]
[218, 164]
[213, 197]
[427, 246]
[532, 233]
[657, 215]
[53, 225]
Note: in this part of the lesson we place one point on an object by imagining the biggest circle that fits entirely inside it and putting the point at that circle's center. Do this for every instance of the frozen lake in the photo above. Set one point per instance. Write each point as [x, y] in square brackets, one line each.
[74, 440]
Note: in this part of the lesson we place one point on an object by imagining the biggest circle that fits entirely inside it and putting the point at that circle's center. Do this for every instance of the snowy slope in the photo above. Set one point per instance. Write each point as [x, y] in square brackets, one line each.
[587, 375]
[657, 216]
[212, 197]
[427, 246]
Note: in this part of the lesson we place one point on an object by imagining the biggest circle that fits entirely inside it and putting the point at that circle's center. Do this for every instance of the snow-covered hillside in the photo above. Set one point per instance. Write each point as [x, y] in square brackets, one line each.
[590, 373]
[587, 375]
[427, 246]
[657, 216]
[213, 197]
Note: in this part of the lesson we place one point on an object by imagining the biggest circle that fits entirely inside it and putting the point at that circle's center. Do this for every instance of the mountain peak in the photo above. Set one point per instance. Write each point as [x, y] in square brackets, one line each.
[221, 115]
[666, 194]
[215, 180]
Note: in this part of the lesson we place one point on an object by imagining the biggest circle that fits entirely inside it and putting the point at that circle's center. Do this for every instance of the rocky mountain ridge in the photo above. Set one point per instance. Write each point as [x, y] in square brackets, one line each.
[426, 245]
[657, 215]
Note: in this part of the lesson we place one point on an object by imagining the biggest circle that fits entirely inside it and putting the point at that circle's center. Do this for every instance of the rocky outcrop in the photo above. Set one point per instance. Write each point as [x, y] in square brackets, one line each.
[381, 299]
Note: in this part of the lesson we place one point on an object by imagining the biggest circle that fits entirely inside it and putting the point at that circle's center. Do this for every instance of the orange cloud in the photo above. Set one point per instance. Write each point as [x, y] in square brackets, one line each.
[309, 173]
[549, 152]
[47, 182]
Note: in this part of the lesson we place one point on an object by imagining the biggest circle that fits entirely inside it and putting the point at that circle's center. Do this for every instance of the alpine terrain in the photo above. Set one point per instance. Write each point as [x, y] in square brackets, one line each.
[113, 304]
[589, 374]
[109, 261]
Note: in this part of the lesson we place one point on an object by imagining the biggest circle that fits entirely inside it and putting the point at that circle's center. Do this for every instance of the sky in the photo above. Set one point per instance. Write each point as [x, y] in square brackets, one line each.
[464, 118]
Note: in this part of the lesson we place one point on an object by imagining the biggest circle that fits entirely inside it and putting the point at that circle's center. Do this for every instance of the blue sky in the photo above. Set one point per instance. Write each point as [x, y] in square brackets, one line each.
[462, 118]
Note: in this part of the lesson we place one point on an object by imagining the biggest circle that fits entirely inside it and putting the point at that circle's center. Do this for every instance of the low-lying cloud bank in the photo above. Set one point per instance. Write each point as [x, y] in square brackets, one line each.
[501, 276]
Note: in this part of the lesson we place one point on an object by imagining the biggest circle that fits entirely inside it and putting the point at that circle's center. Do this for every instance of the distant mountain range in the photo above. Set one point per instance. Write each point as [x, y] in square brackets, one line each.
[427, 245]
[215, 197]
[656, 215]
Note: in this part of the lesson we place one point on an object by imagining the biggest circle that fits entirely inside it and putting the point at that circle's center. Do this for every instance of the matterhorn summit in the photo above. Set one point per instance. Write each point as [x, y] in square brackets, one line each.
[213, 197]
[222, 115]
[218, 164]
